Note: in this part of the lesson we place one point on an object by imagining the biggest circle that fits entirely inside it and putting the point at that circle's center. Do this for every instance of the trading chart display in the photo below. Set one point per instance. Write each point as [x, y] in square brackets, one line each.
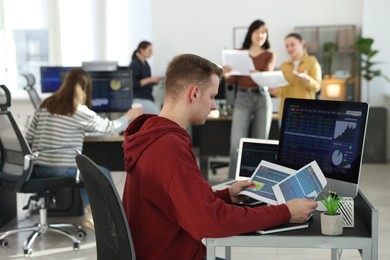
[330, 133]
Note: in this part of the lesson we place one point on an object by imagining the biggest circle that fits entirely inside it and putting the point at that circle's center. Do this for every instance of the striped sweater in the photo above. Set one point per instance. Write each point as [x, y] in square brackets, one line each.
[62, 136]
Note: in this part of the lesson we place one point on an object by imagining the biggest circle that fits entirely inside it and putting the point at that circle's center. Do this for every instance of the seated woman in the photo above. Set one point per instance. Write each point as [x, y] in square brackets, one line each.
[59, 126]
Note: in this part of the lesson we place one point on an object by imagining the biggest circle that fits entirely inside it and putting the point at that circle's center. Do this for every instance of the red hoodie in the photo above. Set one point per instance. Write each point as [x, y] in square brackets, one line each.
[169, 205]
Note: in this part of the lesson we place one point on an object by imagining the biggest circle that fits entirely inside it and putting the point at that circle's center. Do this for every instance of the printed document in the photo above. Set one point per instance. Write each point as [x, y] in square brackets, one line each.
[265, 176]
[276, 184]
[307, 182]
[239, 60]
[271, 79]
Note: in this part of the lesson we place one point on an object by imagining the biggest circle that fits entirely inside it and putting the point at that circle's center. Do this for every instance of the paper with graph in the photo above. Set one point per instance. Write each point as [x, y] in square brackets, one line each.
[275, 184]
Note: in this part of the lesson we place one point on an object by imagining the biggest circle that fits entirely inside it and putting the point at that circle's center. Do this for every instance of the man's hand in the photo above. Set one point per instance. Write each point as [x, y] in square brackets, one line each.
[301, 209]
[236, 188]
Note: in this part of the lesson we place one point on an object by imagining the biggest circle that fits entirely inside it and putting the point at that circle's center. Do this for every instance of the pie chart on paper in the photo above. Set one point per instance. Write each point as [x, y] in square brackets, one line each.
[337, 157]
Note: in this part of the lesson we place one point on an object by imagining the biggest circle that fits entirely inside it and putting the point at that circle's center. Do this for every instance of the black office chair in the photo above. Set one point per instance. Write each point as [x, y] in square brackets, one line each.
[113, 237]
[32, 92]
[16, 167]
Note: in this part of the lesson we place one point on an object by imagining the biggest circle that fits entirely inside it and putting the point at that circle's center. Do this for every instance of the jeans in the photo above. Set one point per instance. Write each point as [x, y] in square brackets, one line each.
[249, 107]
[148, 106]
[41, 171]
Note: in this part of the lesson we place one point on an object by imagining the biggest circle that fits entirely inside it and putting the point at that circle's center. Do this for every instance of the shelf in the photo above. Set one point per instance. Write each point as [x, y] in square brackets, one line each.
[333, 46]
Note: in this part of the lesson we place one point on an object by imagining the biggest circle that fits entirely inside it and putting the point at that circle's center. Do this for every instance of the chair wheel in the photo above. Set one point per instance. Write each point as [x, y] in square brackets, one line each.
[81, 234]
[3, 243]
[27, 252]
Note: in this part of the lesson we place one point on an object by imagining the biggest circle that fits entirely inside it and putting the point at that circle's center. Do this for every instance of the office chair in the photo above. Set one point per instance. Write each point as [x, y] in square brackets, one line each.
[32, 92]
[113, 237]
[16, 167]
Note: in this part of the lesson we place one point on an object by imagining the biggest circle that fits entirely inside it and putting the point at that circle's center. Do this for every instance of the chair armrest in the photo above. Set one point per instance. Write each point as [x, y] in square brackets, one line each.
[27, 171]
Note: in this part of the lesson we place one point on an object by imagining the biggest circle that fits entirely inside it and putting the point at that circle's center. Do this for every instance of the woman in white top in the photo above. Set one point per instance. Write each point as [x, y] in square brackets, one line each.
[60, 124]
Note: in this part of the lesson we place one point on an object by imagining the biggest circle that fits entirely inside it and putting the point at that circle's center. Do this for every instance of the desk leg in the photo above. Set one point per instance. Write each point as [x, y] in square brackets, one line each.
[210, 249]
[228, 252]
[335, 254]
[367, 254]
[204, 166]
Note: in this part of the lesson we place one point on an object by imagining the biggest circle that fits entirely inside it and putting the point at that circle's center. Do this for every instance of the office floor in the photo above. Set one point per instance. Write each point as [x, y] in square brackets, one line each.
[375, 183]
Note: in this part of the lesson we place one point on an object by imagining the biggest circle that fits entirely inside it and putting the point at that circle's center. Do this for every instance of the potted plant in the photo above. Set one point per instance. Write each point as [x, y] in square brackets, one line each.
[329, 49]
[363, 48]
[375, 150]
[331, 219]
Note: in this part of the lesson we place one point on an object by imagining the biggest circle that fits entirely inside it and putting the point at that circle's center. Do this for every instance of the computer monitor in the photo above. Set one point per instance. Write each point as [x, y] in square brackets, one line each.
[112, 90]
[330, 132]
[52, 77]
[99, 65]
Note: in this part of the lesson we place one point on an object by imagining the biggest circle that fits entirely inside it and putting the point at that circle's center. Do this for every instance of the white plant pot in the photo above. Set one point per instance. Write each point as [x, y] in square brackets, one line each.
[331, 225]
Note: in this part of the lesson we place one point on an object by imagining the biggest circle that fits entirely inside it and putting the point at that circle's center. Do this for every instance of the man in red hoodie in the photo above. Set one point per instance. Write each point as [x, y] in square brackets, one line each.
[169, 205]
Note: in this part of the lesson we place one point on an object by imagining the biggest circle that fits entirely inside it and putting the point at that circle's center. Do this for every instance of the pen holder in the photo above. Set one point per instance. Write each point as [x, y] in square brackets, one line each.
[347, 210]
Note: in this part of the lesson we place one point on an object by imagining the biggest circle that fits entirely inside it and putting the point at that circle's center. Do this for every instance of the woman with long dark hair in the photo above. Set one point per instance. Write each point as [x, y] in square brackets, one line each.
[253, 103]
[59, 125]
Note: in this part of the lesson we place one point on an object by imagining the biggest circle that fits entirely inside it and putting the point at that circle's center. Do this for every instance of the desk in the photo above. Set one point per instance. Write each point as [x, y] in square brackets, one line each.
[364, 236]
[106, 151]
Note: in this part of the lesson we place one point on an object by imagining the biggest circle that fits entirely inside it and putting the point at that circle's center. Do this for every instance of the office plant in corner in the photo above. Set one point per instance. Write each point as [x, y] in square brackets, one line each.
[363, 48]
[375, 149]
[331, 219]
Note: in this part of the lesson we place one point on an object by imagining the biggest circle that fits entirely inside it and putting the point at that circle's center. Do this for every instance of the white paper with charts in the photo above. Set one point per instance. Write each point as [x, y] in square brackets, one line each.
[307, 182]
[275, 184]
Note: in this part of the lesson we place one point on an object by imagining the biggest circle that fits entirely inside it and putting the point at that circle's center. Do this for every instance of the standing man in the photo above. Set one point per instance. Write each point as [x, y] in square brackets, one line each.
[169, 205]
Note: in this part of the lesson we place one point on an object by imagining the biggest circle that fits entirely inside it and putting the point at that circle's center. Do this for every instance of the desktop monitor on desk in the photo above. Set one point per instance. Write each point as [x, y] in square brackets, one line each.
[112, 90]
[330, 132]
[52, 77]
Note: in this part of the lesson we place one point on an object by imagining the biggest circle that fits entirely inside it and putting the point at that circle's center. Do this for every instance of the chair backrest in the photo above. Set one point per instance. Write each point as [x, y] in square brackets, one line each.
[113, 237]
[32, 92]
[17, 159]
[5, 98]
[15, 153]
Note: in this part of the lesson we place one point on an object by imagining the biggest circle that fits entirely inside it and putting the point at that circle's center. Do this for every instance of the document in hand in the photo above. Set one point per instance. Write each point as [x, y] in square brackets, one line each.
[239, 60]
[307, 182]
[270, 79]
[265, 176]
[275, 184]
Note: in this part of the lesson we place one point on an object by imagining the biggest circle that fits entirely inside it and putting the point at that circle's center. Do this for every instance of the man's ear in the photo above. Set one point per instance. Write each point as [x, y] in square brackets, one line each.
[194, 93]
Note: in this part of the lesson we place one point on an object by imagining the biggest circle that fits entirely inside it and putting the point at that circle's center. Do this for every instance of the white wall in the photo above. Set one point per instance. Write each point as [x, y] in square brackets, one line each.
[206, 27]
[375, 21]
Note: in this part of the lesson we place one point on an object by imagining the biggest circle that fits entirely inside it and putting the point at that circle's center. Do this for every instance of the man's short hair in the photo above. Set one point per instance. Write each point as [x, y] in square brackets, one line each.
[189, 69]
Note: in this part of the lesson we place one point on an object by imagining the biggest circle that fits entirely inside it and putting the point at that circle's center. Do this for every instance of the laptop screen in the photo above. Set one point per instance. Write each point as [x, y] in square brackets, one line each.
[250, 153]
[330, 132]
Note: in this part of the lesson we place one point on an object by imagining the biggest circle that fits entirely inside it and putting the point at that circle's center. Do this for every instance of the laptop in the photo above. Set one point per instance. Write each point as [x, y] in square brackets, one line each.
[250, 153]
